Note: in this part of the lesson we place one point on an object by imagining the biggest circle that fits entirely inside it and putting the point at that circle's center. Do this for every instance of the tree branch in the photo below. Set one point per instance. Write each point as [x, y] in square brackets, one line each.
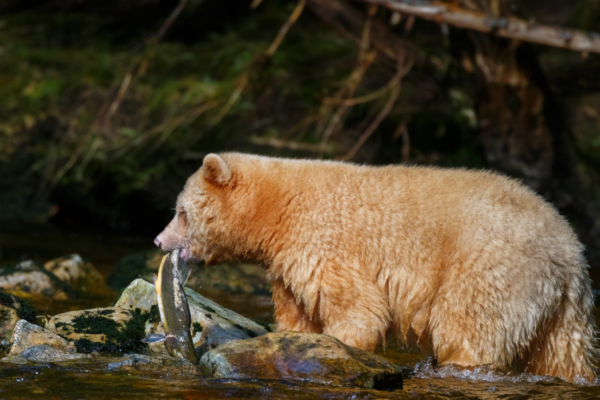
[510, 28]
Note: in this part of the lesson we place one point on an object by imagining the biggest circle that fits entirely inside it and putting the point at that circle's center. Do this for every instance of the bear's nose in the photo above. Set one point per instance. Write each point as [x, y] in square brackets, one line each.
[158, 243]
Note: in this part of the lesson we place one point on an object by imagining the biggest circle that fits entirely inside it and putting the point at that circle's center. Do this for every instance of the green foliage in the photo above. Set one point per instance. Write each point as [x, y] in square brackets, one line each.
[61, 112]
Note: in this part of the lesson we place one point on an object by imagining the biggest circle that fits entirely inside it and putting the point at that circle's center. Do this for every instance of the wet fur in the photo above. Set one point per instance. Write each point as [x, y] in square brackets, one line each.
[472, 266]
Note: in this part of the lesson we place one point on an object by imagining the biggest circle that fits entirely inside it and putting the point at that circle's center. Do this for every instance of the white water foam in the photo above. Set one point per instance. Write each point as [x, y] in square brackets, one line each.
[426, 370]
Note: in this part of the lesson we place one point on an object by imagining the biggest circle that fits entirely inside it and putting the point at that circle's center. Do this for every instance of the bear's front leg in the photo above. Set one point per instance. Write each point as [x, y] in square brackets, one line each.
[289, 315]
[353, 310]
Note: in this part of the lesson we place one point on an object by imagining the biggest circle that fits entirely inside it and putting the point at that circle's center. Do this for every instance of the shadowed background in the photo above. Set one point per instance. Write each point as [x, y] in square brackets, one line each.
[107, 107]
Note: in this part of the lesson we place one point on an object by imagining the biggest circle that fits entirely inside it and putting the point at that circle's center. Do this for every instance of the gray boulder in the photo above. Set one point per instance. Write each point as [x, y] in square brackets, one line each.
[305, 357]
[161, 365]
[46, 353]
[206, 315]
[27, 335]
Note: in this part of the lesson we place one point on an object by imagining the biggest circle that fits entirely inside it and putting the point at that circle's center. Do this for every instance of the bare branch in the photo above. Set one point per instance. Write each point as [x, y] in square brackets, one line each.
[286, 27]
[169, 21]
[260, 61]
[394, 92]
[351, 21]
[143, 63]
[511, 28]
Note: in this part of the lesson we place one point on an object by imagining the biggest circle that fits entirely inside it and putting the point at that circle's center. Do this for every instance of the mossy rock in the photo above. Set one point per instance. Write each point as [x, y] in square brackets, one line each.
[30, 280]
[80, 275]
[22, 307]
[111, 330]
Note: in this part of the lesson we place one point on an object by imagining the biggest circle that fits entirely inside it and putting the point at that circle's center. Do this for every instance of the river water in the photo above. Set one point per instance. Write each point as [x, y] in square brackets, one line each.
[422, 380]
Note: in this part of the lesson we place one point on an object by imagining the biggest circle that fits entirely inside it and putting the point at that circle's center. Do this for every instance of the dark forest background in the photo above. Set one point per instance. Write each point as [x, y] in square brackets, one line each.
[106, 107]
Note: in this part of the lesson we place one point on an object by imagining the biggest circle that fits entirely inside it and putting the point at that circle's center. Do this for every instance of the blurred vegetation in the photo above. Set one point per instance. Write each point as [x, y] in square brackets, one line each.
[61, 73]
[100, 125]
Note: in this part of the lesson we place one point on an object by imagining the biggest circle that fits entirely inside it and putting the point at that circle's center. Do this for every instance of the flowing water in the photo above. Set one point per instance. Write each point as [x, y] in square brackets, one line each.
[95, 381]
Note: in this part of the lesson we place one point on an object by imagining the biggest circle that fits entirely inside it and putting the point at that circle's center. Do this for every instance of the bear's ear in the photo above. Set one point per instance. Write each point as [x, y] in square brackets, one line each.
[215, 169]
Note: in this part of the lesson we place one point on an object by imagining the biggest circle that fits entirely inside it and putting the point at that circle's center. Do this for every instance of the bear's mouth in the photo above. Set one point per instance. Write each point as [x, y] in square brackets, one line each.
[184, 254]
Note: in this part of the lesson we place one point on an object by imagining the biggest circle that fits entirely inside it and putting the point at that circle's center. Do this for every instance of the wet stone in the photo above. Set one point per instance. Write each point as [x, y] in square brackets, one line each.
[29, 280]
[8, 320]
[22, 307]
[27, 335]
[215, 336]
[110, 329]
[305, 357]
[156, 349]
[149, 364]
[80, 275]
[205, 313]
[46, 353]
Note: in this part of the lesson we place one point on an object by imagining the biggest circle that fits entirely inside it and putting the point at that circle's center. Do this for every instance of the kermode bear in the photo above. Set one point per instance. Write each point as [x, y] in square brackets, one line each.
[472, 266]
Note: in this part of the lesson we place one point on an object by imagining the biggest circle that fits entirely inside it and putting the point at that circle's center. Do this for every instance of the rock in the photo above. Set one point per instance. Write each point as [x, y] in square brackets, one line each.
[28, 279]
[12, 309]
[8, 320]
[165, 365]
[47, 353]
[141, 294]
[156, 349]
[234, 278]
[26, 335]
[215, 336]
[81, 276]
[14, 360]
[110, 329]
[204, 312]
[24, 309]
[306, 357]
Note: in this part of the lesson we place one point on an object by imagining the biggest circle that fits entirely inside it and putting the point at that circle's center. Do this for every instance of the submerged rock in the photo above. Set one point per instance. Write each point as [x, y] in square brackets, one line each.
[14, 360]
[80, 275]
[30, 280]
[204, 312]
[165, 365]
[27, 335]
[110, 329]
[306, 357]
[47, 353]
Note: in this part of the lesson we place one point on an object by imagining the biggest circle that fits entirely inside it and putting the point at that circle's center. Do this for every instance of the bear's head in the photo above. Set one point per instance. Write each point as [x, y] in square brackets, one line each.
[198, 226]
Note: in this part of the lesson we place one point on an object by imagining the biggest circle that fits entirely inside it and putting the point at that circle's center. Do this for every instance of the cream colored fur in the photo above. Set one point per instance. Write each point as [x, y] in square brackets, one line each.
[471, 265]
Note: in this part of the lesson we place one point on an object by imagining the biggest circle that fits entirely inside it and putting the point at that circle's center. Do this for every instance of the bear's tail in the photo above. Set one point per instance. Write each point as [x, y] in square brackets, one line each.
[566, 345]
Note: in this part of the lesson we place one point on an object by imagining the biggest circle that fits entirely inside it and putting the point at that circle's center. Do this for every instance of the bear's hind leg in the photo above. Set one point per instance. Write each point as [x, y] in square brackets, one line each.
[289, 315]
[564, 346]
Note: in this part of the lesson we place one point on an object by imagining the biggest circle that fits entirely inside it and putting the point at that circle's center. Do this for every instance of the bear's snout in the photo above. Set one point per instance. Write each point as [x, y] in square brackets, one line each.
[158, 242]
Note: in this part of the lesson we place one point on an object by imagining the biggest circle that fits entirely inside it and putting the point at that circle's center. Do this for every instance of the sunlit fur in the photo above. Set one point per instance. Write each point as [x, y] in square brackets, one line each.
[471, 265]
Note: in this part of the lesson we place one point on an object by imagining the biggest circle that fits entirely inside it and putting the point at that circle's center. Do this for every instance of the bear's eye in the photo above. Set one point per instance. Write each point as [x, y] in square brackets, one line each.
[182, 216]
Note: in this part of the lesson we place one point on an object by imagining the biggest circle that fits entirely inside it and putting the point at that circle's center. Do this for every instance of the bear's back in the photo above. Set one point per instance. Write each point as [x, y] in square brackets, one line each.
[377, 210]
